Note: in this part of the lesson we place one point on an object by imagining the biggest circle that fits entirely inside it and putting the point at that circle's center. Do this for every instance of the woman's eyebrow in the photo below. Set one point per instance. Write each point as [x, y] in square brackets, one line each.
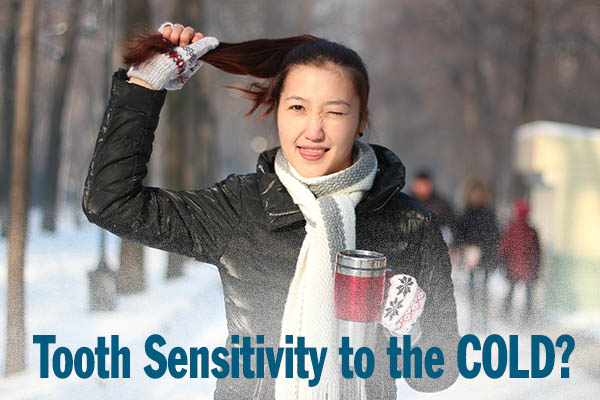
[296, 98]
[335, 102]
[330, 102]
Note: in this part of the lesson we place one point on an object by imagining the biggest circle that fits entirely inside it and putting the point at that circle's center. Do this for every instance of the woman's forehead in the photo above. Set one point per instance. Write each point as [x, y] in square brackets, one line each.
[327, 82]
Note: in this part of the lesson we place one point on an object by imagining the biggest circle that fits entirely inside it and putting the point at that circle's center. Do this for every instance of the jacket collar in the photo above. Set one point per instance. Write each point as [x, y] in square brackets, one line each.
[280, 210]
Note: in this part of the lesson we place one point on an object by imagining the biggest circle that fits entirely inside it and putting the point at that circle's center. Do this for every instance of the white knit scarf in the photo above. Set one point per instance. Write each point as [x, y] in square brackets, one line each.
[327, 203]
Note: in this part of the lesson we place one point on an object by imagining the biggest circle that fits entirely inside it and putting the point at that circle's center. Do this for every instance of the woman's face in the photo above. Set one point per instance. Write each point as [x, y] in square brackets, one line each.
[318, 118]
[476, 197]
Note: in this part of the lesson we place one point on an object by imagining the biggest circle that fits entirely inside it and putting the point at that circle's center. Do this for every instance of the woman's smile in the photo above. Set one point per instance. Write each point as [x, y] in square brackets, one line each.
[311, 153]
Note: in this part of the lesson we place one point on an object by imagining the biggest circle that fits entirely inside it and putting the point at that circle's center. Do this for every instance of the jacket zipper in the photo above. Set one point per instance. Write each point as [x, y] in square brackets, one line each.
[281, 214]
[386, 200]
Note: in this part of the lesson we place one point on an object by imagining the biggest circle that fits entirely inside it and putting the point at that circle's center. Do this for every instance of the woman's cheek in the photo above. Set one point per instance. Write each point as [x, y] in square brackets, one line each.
[290, 123]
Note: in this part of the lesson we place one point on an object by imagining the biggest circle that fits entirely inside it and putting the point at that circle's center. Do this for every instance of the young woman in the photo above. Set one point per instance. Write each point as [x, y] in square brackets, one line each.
[477, 234]
[274, 234]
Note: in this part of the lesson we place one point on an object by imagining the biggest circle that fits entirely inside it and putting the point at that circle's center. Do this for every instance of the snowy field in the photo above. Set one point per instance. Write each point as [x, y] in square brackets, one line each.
[190, 313]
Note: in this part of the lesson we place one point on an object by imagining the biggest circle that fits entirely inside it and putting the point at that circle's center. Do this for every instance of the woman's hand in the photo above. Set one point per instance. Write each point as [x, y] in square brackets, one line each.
[178, 35]
[403, 306]
[172, 69]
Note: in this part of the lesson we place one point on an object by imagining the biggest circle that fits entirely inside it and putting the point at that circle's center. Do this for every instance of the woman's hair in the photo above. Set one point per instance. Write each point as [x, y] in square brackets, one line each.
[485, 194]
[270, 59]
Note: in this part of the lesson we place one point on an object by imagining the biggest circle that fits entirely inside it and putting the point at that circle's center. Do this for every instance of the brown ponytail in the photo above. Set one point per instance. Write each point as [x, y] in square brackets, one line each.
[261, 58]
[264, 58]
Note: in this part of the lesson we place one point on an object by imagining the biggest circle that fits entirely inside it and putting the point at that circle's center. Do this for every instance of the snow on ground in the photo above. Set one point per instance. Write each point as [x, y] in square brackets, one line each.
[190, 313]
[580, 384]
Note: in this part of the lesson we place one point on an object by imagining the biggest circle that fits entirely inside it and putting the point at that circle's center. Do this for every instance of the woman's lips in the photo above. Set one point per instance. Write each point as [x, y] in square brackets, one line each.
[312, 154]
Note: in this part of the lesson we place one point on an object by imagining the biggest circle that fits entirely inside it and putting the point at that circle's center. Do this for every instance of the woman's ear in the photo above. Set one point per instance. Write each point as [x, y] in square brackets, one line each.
[363, 123]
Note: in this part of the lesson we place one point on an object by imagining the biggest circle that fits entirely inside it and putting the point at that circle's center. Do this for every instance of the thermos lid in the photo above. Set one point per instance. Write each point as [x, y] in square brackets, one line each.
[361, 259]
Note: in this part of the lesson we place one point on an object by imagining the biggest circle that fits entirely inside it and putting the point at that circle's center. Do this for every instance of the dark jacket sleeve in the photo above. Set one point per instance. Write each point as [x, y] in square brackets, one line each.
[193, 223]
[458, 231]
[438, 321]
[503, 253]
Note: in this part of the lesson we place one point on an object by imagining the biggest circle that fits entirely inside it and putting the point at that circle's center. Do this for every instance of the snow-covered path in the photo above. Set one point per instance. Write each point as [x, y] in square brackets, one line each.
[580, 384]
[189, 313]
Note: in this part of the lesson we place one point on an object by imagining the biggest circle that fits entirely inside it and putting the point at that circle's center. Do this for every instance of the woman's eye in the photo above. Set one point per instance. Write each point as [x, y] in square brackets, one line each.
[297, 107]
[336, 112]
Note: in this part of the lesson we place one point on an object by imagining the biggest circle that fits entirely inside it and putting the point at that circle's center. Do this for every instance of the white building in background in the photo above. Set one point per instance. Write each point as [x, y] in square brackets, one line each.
[560, 164]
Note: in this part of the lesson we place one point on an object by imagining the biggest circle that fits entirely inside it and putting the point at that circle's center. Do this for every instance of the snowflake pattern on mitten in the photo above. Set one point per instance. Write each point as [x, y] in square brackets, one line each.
[403, 304]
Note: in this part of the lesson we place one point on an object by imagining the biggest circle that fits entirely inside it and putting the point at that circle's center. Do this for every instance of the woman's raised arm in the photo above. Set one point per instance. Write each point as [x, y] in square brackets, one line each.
[194, 223]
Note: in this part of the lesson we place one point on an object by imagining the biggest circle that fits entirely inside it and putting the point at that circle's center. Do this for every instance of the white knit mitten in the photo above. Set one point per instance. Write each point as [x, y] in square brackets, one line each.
[403, 305]
[172, 69]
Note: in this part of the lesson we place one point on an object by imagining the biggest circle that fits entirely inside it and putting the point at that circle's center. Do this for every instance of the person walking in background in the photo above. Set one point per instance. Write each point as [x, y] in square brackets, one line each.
[477, 236]
[423, 189]
[519, 251]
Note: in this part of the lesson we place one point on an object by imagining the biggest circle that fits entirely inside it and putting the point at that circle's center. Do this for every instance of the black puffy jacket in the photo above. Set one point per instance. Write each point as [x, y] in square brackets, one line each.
[249, 227]
[478, 226]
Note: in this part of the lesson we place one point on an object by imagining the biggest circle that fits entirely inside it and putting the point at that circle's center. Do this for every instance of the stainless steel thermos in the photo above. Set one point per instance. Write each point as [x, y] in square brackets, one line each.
[359, 286]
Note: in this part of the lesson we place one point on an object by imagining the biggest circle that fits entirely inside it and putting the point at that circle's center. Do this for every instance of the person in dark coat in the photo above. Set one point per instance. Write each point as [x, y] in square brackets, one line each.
[423, 189]
[477, 235]
[254, 227]
[519, 251]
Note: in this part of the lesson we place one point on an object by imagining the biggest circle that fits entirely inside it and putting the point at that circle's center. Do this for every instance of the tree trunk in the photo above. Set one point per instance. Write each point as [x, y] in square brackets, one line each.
[19, 195]
[529, 61]
[131, 276]
[61, 88]
[8, 106]
[191, 143]
[109, 20]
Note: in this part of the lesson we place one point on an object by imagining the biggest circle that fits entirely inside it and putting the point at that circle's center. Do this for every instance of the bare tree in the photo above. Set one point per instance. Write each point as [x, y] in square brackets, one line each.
[451, 82]
[8, 56]
[62, 83]
[19, 198]
[459, 75]
[568, 55]
[529, 64]
[191, 141]
[131, 275]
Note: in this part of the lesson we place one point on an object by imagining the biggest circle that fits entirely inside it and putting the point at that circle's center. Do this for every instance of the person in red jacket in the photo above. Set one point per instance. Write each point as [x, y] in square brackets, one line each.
[519, 251]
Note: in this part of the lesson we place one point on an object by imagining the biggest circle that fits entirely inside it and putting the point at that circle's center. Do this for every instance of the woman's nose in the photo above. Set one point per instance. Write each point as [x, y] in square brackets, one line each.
[314, 128]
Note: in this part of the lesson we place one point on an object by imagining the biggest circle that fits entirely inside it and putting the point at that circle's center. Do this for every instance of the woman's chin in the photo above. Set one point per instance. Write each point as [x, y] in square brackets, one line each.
[310, 171]
[315, 169]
